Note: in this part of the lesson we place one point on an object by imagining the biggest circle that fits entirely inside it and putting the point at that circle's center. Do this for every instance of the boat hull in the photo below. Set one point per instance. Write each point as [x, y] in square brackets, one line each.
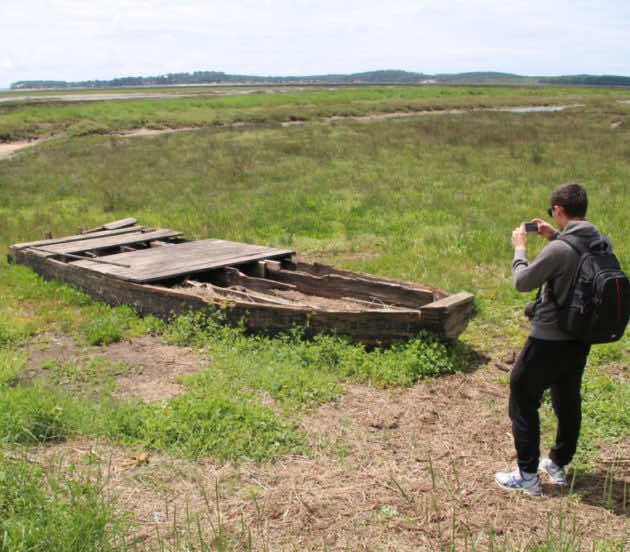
[369, 326]
[258, 287]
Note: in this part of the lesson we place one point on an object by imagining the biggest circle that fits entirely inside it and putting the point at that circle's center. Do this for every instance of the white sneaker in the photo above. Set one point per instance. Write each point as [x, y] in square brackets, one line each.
[516, 480]
[556, 473]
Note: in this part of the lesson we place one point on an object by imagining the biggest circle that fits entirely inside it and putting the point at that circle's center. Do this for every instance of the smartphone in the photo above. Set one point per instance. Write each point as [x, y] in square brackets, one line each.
[531, 227]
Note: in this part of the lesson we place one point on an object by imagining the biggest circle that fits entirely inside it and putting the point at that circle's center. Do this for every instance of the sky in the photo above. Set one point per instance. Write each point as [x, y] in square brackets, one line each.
[76, 40]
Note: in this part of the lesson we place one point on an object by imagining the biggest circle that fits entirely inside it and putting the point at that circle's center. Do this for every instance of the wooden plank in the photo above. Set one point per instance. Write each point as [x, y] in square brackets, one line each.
[449, 303]
[76, 237]
[319, 269]
[96, 243]
[159, 263]
[337, 286]
[93, 257]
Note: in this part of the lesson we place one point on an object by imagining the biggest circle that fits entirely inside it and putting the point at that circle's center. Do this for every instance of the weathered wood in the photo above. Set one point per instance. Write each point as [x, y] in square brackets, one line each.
[72, 256]
[95, 244]
[319, 269]
[406, 307]
[371, 305]
[114, 225]
[159, 263]
[235, 277]
[79, 237]
[250, 296]
[337, 286]
[451, 302]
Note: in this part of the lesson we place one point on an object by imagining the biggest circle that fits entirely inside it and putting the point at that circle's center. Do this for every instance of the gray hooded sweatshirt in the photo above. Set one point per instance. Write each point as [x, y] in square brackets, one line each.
[557, 262]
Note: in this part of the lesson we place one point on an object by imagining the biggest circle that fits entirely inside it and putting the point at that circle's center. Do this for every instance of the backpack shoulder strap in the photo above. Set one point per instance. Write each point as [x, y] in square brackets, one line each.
[582, 249]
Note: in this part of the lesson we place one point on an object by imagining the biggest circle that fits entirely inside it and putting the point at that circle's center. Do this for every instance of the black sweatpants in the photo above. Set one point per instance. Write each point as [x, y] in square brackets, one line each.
[557, 365]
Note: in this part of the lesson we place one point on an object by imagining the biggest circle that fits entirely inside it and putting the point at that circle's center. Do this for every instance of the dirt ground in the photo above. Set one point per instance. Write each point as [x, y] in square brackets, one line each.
[390, 470]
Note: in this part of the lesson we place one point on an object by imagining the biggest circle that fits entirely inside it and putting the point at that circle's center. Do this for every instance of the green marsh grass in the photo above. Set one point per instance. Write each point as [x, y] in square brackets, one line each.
[25, 119]
[431, 198]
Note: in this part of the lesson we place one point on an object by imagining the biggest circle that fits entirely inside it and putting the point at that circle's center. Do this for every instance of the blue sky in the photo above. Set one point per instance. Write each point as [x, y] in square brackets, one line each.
[104, 39]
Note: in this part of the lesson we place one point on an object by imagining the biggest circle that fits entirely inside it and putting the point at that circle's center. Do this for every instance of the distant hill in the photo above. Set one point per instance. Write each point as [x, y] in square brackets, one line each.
[390, 76]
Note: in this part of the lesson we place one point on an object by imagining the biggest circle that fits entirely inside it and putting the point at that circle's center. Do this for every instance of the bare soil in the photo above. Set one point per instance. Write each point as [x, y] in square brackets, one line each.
[390, 470]
[154, 368]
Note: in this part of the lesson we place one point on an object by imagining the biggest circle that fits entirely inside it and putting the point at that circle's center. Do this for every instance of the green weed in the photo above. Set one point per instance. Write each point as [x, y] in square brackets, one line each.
[43, 509]
[102, 325]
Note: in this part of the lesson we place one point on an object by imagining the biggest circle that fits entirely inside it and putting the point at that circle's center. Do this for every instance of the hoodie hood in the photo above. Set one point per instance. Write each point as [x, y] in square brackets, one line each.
[585, 231]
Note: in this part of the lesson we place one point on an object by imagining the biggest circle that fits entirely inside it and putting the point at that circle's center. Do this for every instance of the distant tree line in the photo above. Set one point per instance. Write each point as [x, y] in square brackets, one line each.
[390, 76]
[588, 80]
[217, 77]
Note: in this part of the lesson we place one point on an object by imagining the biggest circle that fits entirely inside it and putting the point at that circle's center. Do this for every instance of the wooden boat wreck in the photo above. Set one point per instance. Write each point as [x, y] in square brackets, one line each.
[158, 272]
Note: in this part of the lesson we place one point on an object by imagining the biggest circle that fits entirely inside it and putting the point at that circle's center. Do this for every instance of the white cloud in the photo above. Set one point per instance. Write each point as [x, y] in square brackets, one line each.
[77, 40]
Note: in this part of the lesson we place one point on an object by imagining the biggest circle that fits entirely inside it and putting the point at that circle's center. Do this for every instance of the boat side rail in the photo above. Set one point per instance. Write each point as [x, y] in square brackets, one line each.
[337, 286]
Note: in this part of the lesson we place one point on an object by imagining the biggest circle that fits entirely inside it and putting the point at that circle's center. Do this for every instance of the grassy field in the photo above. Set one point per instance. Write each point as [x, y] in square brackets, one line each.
[431, 198]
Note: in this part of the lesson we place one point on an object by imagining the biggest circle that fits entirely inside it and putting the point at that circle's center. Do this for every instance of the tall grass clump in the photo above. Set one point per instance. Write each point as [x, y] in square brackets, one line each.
[42, 509]
[31, 415]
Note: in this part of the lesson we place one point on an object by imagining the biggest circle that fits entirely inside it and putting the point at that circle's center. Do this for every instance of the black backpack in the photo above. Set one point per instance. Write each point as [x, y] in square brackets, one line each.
[598, 305]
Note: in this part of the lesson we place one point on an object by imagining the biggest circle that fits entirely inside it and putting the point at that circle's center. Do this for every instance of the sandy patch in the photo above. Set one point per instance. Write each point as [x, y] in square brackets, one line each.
[400, 114]
[149, 131]
[8, 149]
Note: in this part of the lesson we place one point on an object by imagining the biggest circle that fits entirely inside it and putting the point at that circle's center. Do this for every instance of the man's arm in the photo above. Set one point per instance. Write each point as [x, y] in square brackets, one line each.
[525, 276]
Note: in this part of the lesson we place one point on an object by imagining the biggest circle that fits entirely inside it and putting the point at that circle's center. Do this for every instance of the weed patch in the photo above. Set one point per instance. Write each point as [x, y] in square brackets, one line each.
[41, 510]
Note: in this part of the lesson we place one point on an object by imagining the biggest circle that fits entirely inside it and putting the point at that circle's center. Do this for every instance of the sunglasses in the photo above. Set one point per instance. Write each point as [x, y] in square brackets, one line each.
[550, 211]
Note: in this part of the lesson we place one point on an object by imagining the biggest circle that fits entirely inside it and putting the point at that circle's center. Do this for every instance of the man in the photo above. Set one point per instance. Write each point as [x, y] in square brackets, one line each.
[550, 357]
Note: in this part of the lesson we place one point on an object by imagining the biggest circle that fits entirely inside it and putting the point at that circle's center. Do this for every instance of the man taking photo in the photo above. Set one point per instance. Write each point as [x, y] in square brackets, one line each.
[551, 358]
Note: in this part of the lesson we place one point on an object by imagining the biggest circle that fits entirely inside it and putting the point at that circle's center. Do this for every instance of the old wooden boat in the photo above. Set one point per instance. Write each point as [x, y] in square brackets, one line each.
[158, 272]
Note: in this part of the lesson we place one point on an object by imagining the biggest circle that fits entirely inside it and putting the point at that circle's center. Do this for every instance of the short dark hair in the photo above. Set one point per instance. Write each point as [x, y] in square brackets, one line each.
[572, 198]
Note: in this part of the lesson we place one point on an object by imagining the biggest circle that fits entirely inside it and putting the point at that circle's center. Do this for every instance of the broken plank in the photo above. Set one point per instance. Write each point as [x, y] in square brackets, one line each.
[114, 225]
[235, 277]
[76, 237]
[94, 244]
[246, 295]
